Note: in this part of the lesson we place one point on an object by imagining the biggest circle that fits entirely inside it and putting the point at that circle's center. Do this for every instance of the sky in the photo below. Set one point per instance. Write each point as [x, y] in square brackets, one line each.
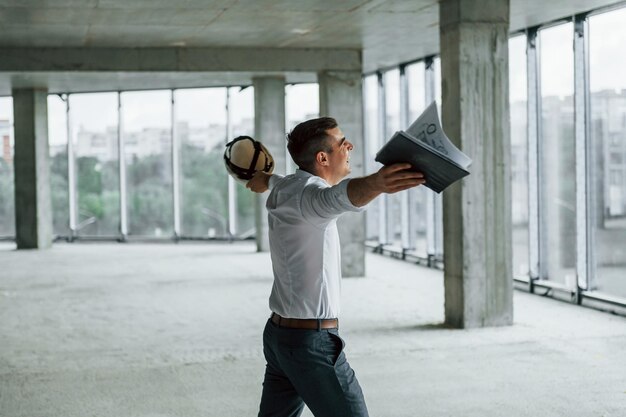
[607, 44]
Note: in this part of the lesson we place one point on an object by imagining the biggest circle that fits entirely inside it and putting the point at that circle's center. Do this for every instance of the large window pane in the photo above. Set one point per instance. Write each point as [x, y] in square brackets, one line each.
[557, 161]
[7, 196]
[241, 111]
[417, 103]
[57, 138]
[391, 82]
[608, 149]
[94, 127]
[201, 130]
[146, 122]
[437, 70]
[301, 103]
[518, 97]
[370, 121]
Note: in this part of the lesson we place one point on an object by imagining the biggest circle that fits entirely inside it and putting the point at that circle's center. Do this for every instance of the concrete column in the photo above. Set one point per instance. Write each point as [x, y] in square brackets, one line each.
[341, 97]
[269, 128]
[477, 211]
[33, 206]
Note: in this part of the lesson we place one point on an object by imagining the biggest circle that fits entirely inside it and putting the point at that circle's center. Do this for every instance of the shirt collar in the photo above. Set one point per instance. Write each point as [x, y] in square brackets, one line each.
[300, 173]
[303, 174]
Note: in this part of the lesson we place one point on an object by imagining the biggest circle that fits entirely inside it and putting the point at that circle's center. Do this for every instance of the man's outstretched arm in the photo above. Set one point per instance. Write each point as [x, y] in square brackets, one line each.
[389, 179]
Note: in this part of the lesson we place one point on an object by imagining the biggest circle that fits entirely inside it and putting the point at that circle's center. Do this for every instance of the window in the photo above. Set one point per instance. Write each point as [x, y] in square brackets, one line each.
[59, 185]
[301, 103]
[519, 154]
[607, 37]
[94, 132]
[370, 121]
[415, 74]
[391, 80]
[201, 132]
[557, 156]
[7, 194]
[146, 122]
[241, 109]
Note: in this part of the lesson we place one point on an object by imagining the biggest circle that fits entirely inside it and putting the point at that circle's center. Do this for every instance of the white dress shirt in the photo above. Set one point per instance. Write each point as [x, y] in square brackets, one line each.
[304, 244]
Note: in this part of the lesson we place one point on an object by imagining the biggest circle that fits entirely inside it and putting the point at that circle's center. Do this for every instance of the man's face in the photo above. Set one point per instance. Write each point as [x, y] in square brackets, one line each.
[339, 158]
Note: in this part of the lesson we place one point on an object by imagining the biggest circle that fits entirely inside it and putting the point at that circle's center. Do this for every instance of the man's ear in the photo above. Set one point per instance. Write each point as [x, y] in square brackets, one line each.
[321, 158]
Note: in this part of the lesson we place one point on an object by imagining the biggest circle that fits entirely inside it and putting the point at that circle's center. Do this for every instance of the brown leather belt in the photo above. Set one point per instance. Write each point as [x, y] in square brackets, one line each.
[311, 324]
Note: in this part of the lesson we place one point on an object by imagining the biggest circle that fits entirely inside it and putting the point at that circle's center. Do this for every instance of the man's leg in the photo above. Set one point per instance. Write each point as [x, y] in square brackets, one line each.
[279, 398]
[324, 379]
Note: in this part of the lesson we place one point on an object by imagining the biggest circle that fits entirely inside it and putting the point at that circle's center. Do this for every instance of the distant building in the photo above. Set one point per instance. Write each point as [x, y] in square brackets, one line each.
[608, 118]
[5, 134]
[151, 141]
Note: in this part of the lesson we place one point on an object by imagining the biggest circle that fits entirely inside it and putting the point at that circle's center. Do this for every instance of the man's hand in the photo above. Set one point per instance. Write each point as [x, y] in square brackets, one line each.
[389, 179]
[397, 177]
[259, 182]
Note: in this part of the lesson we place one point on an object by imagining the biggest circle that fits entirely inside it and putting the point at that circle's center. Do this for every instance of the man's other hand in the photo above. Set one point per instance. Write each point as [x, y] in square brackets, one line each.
[259, 183]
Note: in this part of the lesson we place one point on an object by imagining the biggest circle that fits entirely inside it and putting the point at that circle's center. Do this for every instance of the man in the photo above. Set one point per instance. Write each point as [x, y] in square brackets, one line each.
[301, 343]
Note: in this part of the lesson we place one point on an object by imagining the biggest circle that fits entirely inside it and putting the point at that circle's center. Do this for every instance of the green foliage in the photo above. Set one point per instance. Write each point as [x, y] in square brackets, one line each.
[89, 176]
[150, 196]
[92, 204]
[245, 209]
[98, 196]
[204, 195]
[204, 191]
[7, 210]
[59, 194]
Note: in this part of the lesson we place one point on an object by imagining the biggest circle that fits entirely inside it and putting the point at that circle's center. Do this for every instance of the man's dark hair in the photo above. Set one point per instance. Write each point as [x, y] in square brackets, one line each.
[307, 139]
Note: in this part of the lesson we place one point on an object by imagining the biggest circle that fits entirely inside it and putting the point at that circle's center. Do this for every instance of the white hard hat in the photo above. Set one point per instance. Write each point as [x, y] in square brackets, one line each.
[244, 156]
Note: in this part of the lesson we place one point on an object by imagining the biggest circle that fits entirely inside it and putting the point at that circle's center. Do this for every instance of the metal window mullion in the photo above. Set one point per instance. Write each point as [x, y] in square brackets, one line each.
[383, 229]
[232, 190]
[408, 196]
[175, 168]
[122, 170]
[71, 173]
[582, 121]
[534, 154]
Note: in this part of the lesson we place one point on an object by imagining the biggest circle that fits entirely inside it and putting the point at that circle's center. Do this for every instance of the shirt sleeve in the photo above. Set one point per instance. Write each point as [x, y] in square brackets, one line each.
[274, 178]
[326, 203]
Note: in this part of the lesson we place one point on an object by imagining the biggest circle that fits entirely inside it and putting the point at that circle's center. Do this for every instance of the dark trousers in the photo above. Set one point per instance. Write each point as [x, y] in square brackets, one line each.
[308, 366]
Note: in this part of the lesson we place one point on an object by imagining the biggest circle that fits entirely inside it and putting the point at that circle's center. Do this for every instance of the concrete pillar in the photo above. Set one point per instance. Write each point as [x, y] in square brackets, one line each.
[33, 206]
[477, 211]
[269, 128]
[341, 97]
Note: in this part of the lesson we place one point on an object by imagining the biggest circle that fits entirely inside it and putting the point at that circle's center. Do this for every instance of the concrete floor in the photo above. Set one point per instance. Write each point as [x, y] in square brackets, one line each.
[175, 330]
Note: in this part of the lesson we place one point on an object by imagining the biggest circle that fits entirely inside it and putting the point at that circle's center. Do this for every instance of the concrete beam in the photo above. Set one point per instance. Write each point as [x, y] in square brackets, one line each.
[477, 211]
[269, 128]
[341, 97]
[178, 59]
[33, 207]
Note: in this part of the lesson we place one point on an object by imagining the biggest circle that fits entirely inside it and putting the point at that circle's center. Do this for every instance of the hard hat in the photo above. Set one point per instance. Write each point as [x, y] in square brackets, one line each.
[244, 156]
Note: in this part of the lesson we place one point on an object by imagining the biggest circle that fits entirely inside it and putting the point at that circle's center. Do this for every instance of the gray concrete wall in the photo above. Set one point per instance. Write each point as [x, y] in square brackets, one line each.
[269, 128]
[341, 97]
[477, 210]
[33, 207]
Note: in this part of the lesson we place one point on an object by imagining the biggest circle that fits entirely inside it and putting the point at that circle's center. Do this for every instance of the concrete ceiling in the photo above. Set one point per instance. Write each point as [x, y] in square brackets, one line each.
[388, 31]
